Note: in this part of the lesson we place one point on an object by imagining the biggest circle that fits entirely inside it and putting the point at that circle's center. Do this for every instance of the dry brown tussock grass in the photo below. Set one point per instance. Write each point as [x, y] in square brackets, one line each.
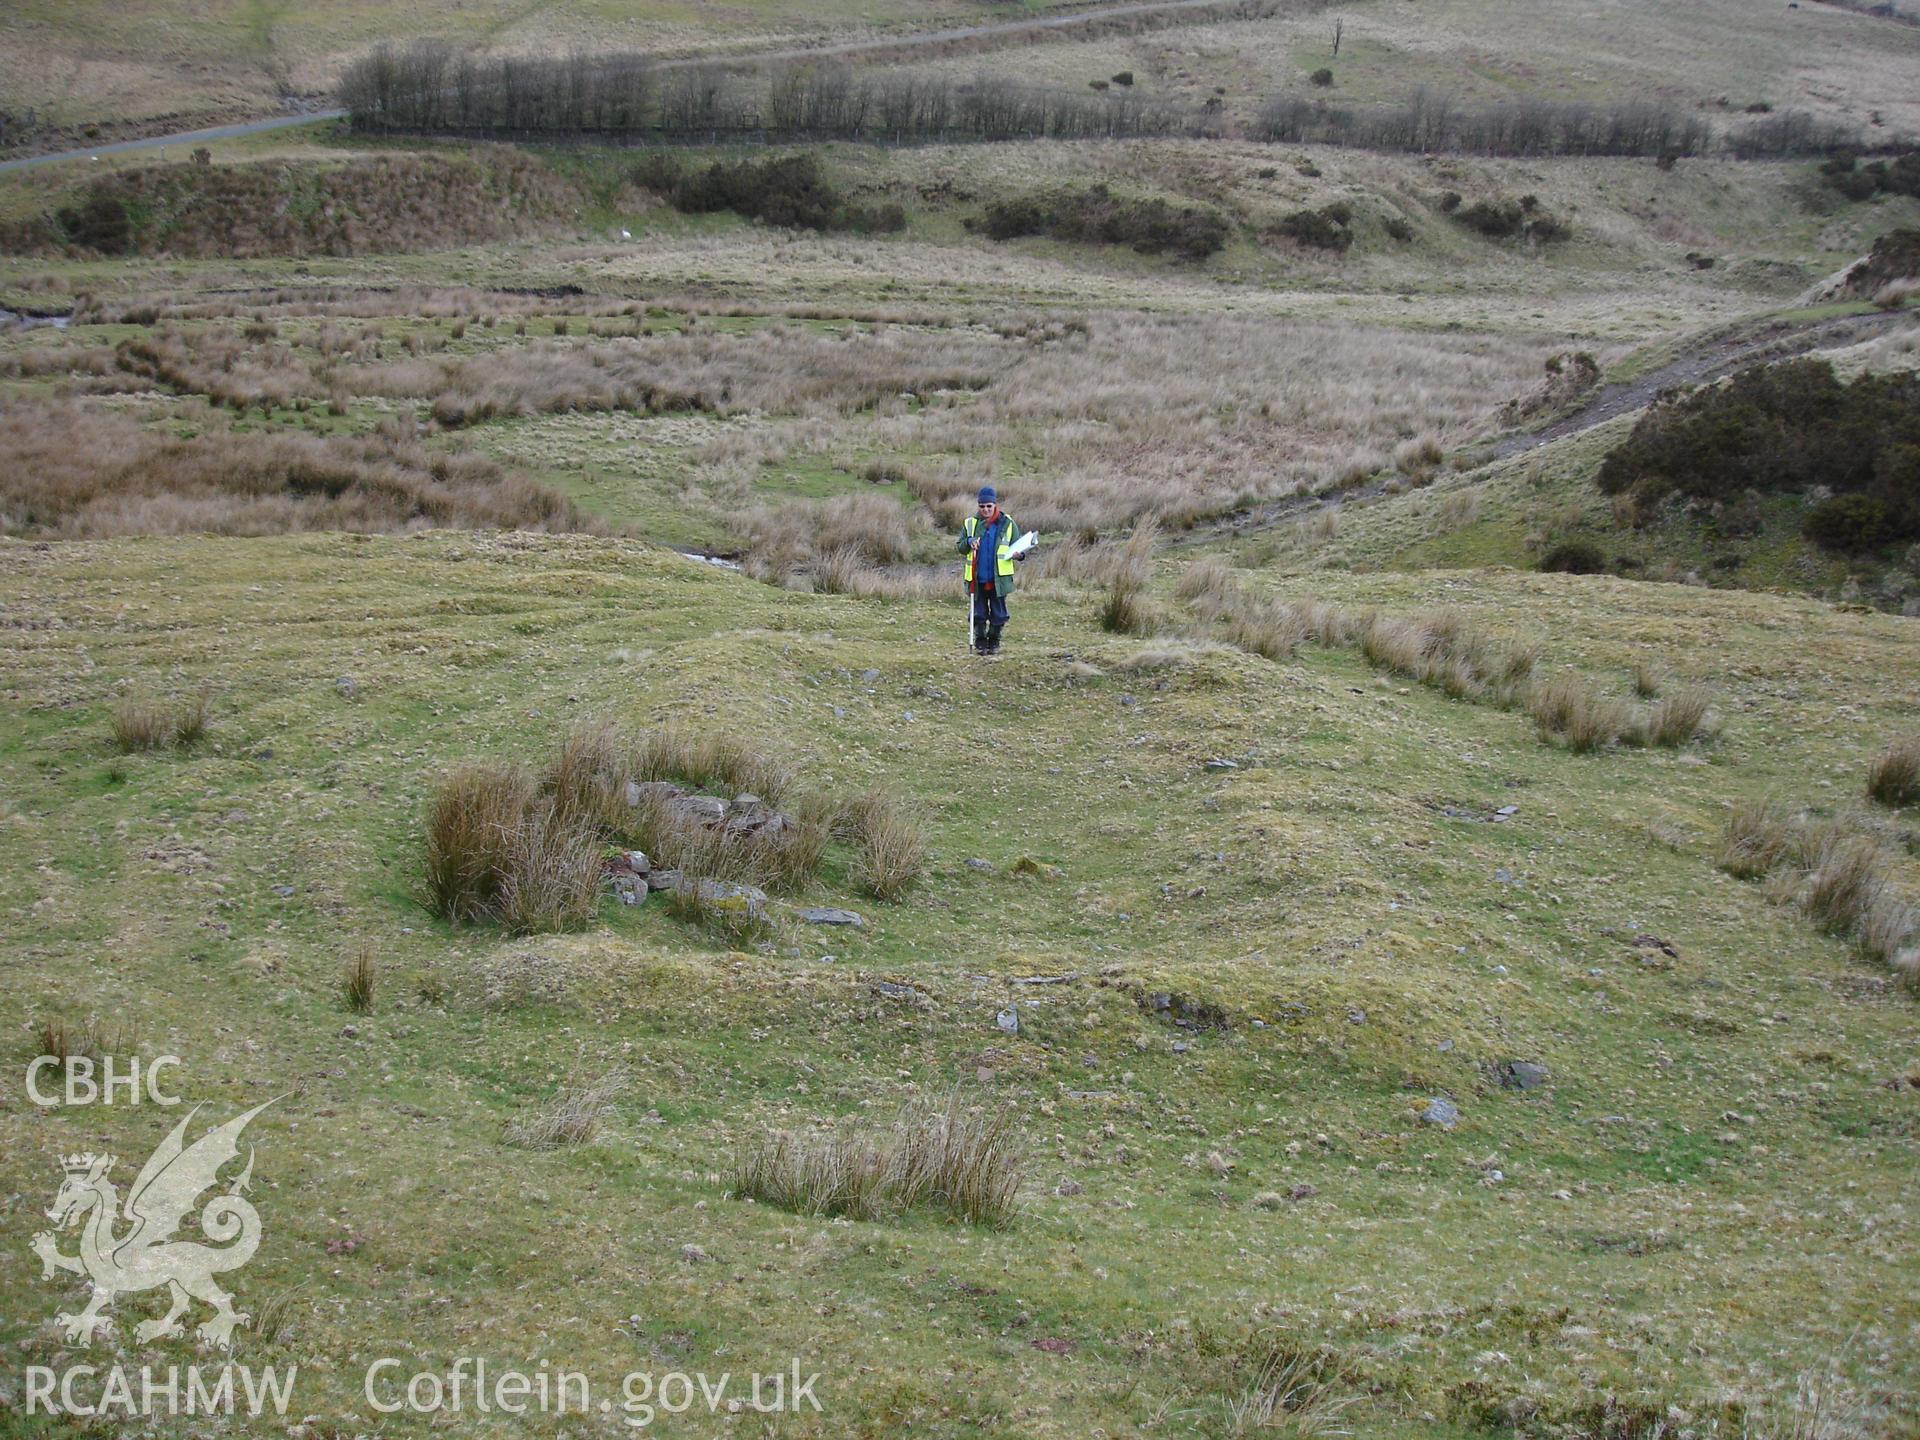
[1759, 835]
[1894, 776]
[1188, 416]
[1130, 415]
[783, 369]
[141, 723]
[1126, 609]
[1583, 717]
[1677, 718]
[572, 1116]
[1840, 872]
[83, 473]
[966, 1159]
[837, 542]
[222, 365]
[359, 978]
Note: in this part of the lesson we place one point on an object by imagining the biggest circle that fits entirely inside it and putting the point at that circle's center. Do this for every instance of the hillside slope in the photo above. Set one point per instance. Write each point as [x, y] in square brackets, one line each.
[1352, 936]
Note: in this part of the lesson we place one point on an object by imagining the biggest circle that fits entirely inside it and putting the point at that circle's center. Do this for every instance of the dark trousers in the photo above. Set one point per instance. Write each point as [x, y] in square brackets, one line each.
[989, 615]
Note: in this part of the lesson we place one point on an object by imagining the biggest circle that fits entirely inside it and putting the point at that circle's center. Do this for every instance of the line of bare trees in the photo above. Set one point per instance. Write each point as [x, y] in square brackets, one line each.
[433, 88]
[1433, 121]
[1429, 120]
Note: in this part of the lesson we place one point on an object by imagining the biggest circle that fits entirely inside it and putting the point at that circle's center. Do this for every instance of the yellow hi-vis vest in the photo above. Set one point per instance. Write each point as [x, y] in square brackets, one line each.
[1003, 569]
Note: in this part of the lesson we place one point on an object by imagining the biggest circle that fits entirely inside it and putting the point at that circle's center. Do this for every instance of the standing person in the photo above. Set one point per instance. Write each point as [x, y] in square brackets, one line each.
[986, 541]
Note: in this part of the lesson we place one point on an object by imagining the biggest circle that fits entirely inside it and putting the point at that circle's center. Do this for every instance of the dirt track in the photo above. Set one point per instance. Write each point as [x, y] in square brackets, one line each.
[1714, 355]
[1709, 357]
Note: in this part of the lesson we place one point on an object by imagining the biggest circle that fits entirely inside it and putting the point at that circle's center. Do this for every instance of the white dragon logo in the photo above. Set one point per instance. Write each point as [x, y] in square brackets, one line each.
[147, 1255]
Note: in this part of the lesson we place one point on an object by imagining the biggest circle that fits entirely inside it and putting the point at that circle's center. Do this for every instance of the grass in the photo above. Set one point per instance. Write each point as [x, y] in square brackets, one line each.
[276, 1320]
[573, 1115]
[526, 854]
[516, 624]
[1571, 709]
[1180, 989]
[549, 872]
[1287, 1393]
[1126, 609]
[359, 978]
[891, 844]
[91, 1039]
[1677, 718]
[140, 723]
[1843, 880]
[89, 472]
[1085, 398]
[1894, 777]
[1479, 54]
[1759, 836]
[965, 1158]
[1838, 871]
[473, 815]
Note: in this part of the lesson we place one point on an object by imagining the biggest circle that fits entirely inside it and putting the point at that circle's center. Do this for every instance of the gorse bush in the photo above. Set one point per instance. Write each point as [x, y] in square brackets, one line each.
[99, 223]
[1898, 176]
[1324, 229]
[1792, 132]
[788, 191]
[1502, 218]
[1574, 557]
[1097, 216]
[1895, 257]
[1787, 427]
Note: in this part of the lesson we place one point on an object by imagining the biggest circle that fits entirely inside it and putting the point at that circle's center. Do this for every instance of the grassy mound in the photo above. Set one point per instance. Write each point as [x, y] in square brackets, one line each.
[374, 205]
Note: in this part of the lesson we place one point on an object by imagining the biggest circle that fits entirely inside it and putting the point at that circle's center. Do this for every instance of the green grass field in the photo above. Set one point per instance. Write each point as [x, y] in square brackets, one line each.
[1673, 1226]
[1215, 930]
